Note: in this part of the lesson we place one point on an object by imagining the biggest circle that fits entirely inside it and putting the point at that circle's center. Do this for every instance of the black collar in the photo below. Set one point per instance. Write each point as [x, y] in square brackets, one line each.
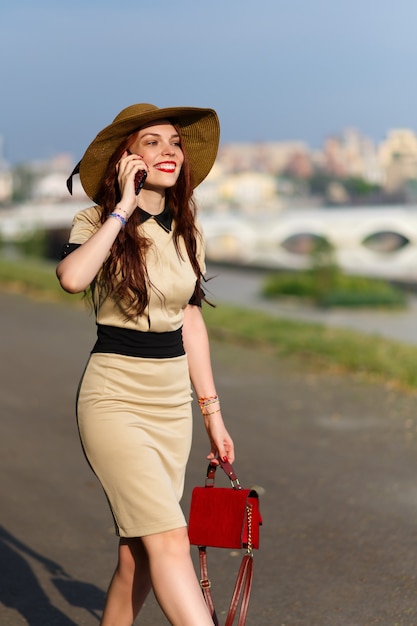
[164, 219]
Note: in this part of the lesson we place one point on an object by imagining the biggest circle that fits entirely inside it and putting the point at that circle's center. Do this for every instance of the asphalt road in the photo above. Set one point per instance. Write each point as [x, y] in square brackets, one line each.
[334, 458]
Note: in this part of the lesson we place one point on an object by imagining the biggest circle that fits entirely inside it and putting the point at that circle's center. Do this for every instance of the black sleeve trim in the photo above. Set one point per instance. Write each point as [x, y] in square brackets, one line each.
[68, 248]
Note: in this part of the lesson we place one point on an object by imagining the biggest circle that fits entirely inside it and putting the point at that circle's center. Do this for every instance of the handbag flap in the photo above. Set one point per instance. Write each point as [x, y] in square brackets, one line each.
[218, 517]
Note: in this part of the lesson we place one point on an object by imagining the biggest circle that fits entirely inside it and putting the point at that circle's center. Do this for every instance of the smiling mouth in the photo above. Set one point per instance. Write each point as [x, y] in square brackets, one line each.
[166, 167]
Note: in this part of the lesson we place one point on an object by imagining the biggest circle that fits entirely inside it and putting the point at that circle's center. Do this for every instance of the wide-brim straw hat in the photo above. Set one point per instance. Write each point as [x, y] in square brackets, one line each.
[200, 132]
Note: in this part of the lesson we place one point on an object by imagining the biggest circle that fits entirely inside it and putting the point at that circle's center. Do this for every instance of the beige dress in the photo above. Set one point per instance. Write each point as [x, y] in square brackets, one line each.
[134, 412]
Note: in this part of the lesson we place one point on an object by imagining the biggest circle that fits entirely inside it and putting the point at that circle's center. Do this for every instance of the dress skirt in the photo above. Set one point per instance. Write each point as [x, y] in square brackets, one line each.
[135, 424]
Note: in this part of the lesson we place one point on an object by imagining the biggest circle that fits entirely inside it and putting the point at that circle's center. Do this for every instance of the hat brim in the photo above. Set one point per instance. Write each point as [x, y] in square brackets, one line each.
[200, 132]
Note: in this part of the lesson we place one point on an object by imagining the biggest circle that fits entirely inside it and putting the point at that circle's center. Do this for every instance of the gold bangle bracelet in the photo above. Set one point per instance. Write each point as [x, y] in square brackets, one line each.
[212, 412]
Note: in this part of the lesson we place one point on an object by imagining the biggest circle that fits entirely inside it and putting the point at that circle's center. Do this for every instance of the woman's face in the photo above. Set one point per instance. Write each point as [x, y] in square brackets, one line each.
[158, 144]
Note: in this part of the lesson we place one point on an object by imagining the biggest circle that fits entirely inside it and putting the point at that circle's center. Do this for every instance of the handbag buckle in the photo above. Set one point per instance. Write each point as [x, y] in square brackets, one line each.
[211, 474]
[235, 483]
[230, 473]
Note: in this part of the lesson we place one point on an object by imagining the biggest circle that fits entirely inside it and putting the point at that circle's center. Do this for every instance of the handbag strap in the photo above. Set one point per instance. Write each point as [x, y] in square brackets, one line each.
[205, 584]
[242, 589]
[228, 470]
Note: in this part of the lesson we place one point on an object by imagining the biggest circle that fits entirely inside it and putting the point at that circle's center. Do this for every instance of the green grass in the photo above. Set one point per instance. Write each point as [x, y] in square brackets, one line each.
[388, 361]
[33, 277]
[379, 358]
[328, 288]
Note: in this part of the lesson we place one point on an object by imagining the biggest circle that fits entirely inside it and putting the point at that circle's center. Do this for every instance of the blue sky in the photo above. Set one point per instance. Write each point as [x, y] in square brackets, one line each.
[273, 69]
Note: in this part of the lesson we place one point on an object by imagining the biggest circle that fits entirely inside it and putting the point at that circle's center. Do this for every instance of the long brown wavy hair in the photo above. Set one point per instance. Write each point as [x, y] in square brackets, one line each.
[124, 273]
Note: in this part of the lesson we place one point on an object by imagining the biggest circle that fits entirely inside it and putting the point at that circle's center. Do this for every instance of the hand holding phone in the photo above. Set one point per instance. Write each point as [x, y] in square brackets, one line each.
[140, 177]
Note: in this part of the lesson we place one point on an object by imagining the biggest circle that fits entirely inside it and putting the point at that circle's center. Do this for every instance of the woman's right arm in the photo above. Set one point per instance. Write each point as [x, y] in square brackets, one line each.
[77, 270]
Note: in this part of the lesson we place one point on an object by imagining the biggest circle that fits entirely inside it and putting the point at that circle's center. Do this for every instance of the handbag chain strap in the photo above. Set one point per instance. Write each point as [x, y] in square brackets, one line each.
[249, 511]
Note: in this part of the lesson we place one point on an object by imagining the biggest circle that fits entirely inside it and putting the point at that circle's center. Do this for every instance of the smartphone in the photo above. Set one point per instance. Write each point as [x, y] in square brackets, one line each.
[140, 178]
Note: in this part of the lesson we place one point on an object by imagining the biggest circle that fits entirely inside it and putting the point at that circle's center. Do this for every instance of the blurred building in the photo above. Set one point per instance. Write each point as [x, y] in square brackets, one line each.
[351, 155]
[6, 178]
[398, 158]
[269, 157]
[6, 184]
[50, 180]
[247, 191]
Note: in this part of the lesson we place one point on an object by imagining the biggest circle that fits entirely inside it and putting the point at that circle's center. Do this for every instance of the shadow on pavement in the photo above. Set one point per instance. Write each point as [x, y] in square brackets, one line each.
[21, 590]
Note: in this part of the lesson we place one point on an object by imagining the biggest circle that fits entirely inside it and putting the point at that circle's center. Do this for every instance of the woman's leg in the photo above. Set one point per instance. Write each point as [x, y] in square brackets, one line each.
[129, 586]
[174, 580]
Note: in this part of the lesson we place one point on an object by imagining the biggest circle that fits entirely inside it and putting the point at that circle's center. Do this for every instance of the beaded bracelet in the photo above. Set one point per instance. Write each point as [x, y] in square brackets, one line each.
[121, 210]
[120, 218]
[205, 402]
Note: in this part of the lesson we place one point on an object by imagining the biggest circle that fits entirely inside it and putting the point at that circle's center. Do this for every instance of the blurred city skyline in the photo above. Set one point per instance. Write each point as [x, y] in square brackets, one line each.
[349, 168]
[274, 71]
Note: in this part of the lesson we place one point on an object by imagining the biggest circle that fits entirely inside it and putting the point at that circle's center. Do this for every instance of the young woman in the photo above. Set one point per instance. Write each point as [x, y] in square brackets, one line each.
[142, 255]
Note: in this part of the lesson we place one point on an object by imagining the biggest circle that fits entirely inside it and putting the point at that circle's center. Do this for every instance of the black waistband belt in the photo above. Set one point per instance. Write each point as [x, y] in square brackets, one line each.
[128, 342]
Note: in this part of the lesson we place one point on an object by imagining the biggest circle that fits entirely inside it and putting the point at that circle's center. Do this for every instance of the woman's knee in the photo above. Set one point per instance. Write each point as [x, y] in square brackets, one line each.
[132, 555]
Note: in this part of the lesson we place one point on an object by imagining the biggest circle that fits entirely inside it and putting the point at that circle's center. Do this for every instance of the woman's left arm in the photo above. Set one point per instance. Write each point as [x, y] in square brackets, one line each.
[197, 348]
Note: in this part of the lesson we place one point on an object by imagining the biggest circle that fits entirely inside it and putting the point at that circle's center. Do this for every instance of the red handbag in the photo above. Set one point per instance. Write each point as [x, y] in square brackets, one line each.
[226, 518]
